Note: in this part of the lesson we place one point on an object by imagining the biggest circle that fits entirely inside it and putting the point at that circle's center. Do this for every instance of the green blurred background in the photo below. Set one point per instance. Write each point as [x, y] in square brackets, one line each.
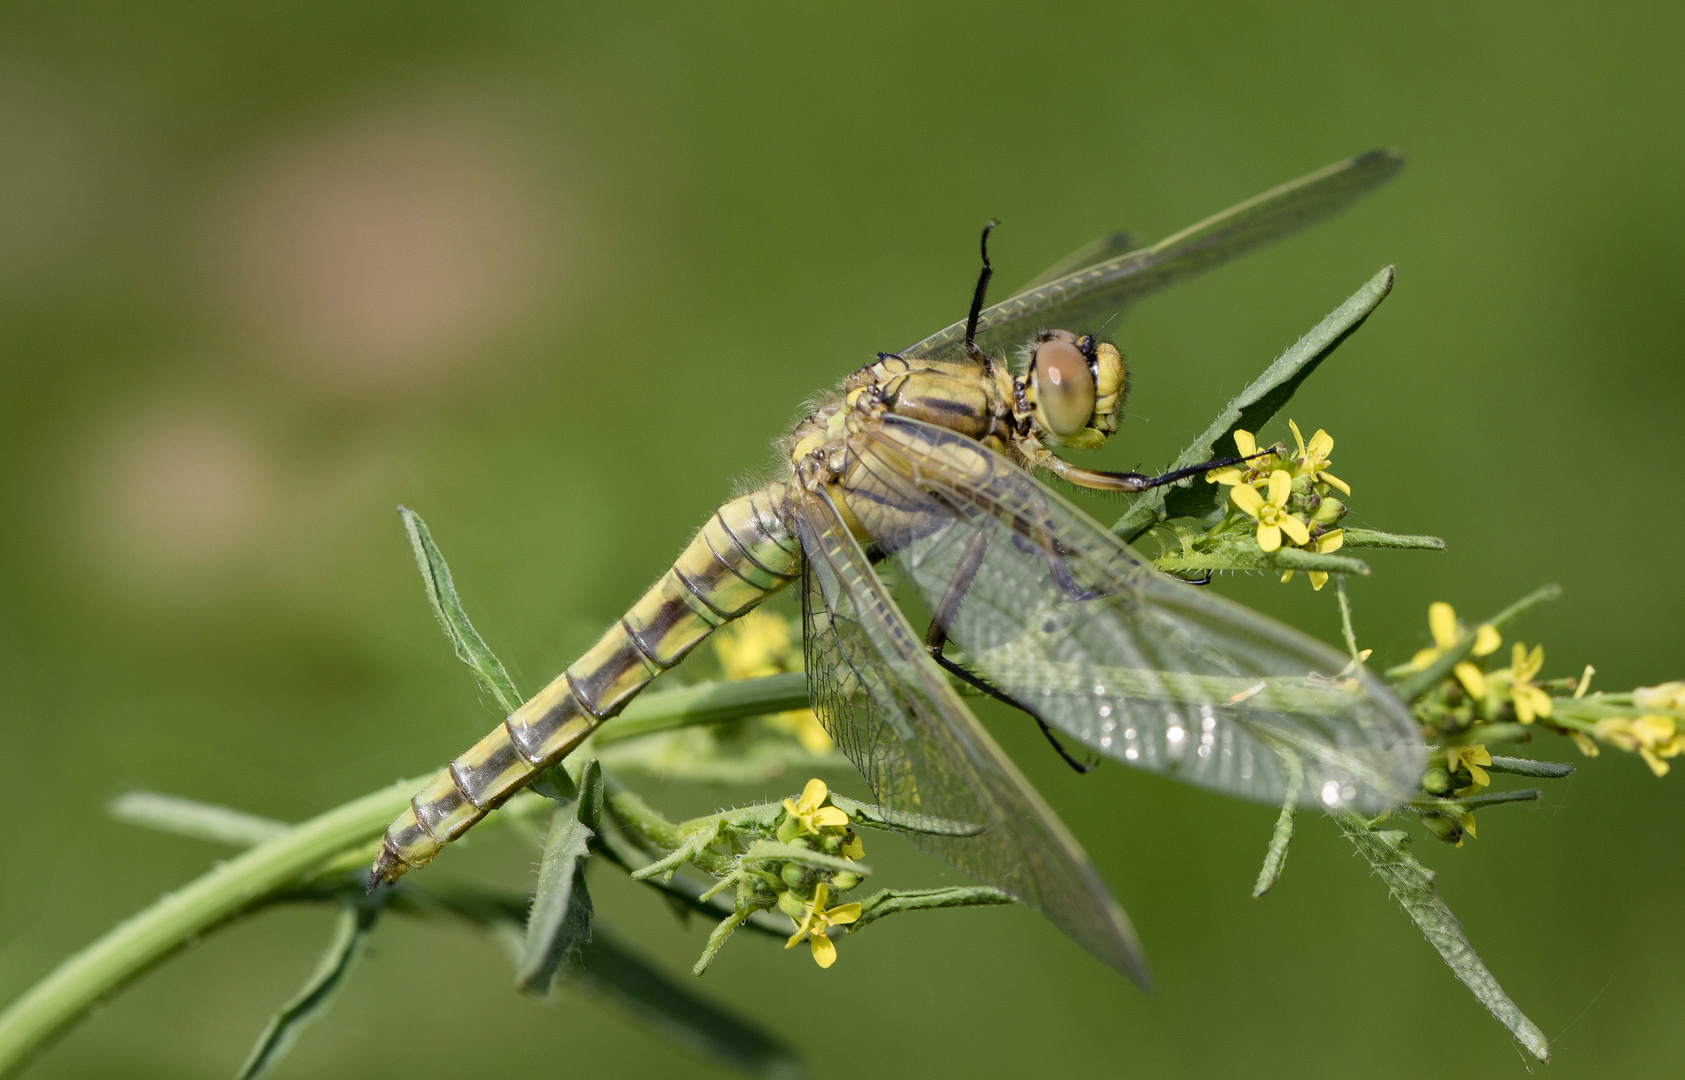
[555, 275]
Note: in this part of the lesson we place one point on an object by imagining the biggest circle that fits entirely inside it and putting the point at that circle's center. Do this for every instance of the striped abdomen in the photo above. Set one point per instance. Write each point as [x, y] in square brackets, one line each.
[745, 553]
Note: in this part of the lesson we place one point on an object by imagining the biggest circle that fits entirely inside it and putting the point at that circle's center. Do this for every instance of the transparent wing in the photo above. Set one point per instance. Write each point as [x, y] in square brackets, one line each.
[1095, 251]
[1089, 294]
[1071, 622]
[894, 713]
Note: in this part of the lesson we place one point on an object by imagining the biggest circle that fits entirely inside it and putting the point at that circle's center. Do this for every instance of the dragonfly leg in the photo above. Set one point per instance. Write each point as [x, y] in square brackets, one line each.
[1128, 482]
[936, 640]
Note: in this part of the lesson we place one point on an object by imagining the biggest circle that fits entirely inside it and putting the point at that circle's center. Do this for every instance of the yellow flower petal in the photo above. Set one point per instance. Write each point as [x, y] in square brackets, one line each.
[1224, 476]
[1247, 498]
[1245, 443]
[843, 914]
[1424, 658]
[1472, 678]
[1333, 481]
[1587, 747]
[812, 795]
[1269, 536]
[1298, 438]
[824, 953]
[854, 849]
[1486, 639]
[829, 817]
[1442, 624]
[1318, 580]
[1657, 765]
[1281, 486]
[1467, 822]
[1331, 541]
[1295, 528]
[1321, 444]
[1286, 577]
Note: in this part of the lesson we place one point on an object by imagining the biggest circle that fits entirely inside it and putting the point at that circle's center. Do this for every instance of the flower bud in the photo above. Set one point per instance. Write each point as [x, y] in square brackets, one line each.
[1447, 829]
[843, 880]
[792, 905]
[1328, 513]
[789, 828]
[1436, 781]
[795, 875]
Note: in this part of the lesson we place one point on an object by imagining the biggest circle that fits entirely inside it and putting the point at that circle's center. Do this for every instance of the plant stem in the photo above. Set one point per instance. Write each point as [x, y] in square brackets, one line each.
[263, 872]
[224, 893]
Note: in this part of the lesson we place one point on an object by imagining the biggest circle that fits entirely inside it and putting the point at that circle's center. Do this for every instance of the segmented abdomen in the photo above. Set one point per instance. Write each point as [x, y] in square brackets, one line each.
[745, 553]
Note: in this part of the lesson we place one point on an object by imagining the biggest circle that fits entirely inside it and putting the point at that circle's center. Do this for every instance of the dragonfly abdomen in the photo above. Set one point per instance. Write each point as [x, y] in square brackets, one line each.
[745, 553]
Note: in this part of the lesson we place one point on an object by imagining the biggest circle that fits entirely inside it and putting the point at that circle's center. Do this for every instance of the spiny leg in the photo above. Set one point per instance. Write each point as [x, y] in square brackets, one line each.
[936, 639]
[1133, 482]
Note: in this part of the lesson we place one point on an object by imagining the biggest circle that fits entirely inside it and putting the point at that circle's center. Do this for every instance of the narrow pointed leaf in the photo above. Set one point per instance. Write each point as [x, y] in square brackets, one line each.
[1275, 858]
[1251, 410]
[350, 932]
[194, 819]
[561, 909]
[1526, 767]
[1411, 884]
[1370, 538]
[894, 901]
[441, 595]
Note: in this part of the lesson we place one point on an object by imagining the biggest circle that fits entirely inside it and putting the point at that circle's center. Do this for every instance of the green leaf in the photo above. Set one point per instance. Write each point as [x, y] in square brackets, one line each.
[441, 594]
[773, 851]
[356, 918]
[193, 819]
[1369, 538]
[1554, 770]
[1275, 859]
[1251, 410]
[1411, 884]
[1417, 683]
[679, 1016]
[894, 901]
[561, 908]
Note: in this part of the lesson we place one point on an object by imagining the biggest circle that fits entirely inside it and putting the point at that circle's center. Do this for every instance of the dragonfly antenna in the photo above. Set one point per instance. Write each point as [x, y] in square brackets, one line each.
[977, 297]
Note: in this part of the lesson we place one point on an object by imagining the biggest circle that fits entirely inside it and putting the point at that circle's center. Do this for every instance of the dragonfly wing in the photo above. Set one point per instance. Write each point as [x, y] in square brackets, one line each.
[893, 711]
[1074, 624]
[1095, 251]
[1087, 295]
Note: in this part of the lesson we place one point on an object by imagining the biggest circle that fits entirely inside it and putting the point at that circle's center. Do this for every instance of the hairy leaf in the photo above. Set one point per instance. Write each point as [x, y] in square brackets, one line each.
[1251, 410]
[193, 819]
[356, 918]
[441, 594]
[561, 908]
[1411, 884]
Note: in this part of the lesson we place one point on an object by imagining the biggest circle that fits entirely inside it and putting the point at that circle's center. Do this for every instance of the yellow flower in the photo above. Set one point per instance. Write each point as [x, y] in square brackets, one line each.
[1530, 701]
[759, 644]
[1249, 472]
[1272, 516]
[1328, 542]
[810, 810]
[1654, 737]
[816, 920]
[1312, 460]
[1669, 695]
[1470, 757]
[1467, 822]
[1442, 624]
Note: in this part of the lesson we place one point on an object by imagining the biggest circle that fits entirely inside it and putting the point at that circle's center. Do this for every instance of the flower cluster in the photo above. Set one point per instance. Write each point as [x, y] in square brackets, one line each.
[1295, 501]
[1474, 706]
[810, 822]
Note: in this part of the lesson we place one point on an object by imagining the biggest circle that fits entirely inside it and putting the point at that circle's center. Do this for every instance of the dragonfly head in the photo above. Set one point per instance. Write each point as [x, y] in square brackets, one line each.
[1074, 388]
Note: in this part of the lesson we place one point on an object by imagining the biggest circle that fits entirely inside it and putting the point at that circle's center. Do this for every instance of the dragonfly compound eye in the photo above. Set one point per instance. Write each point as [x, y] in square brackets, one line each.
[1064, 387]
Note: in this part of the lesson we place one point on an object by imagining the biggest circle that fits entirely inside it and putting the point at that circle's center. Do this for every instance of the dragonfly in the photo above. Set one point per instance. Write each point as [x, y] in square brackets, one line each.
[927, 460]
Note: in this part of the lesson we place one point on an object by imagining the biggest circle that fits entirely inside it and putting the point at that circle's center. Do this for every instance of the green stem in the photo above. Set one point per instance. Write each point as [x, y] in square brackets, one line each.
[268, 870]
[148, 937]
